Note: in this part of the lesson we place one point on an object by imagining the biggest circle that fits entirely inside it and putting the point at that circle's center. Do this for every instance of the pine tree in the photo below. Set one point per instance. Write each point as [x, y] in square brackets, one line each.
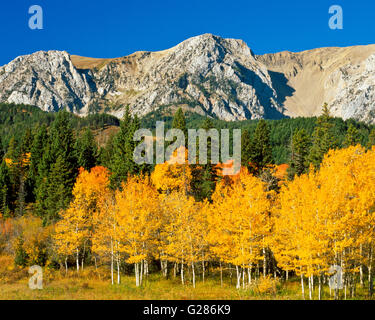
[57, 195]
[260, 149]
[323, 138]
[105, 155]
[205, 175]
[179, 122]
[122, 163]
[62, 141]
[2, 151]
[12, 152]
[352, 137]
[21, 257]
[12, 158]
[371, 139]
[23, 167]
[57, 171]
[5, 190]
[300, 151]
[38, 148]
[86, 150]
[246, 144]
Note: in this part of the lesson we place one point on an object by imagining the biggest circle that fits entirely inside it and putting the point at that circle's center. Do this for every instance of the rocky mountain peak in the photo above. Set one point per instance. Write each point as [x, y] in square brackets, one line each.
[206, 74]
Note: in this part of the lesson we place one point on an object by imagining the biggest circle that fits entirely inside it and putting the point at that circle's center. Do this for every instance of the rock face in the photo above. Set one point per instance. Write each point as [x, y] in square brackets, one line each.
[342, 77]
[207, 74]
[48, 80]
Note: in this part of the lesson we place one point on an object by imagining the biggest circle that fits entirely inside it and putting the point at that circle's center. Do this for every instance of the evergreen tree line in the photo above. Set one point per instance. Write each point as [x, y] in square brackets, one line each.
[38, 170]
[37, 173]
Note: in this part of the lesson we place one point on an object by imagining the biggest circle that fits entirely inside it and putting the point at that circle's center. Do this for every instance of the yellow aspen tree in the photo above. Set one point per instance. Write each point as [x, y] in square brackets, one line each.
[76, 224]
[185, 232]
[239, 223]
[299, 236]
[173, 175]
[106, 237]
[137, 207]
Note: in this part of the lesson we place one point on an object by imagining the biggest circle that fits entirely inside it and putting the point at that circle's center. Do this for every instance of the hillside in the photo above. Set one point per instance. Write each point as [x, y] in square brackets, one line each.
[15, 119]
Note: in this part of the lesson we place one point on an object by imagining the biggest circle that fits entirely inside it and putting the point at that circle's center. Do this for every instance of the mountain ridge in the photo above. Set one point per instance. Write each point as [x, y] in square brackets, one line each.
[208, 74]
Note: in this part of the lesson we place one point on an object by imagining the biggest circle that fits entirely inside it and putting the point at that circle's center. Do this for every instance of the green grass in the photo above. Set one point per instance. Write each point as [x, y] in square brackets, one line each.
[57, 286]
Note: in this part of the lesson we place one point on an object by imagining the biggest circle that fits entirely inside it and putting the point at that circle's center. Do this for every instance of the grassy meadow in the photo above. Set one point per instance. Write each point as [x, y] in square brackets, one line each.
[95, 284]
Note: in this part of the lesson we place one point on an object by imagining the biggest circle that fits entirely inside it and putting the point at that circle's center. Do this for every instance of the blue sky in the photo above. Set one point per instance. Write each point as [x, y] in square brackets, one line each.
[113, 28]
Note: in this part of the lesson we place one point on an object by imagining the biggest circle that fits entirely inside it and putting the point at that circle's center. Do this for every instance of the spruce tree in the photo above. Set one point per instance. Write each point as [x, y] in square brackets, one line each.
[2, 151]
[246, 144]
[5, 190]
[323, 137]
[300, 152]
[179, 122]
[352, 137]
[62, 141]
[58, 196]
[57, 171]
[38, 149]
[205, 175]
[86, 150]
[123, 163]
[105, 155]
[260, 154]
[13, 156]
[25, 192]
[371, 139]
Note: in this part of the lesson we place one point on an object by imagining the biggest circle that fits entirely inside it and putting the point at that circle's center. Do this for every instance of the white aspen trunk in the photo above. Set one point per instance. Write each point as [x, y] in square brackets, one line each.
[193, 271]
[221, 275]
[141, 274]
[249, 273]
[230, 273]
[118, 269]
[175, 270]
[320, 288]
[66, 265]
[77, 260]
[369, 268]
[164, 267]
[136, 271]
[83, 254]
[287, 275]
[146, 269]
[344, 275]
[182, 273]
[303, 287]
[264, 263]
[203, 271]
[238, 275]
[112, 262]
[310, 288]
[361, 268]
[243, 277]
